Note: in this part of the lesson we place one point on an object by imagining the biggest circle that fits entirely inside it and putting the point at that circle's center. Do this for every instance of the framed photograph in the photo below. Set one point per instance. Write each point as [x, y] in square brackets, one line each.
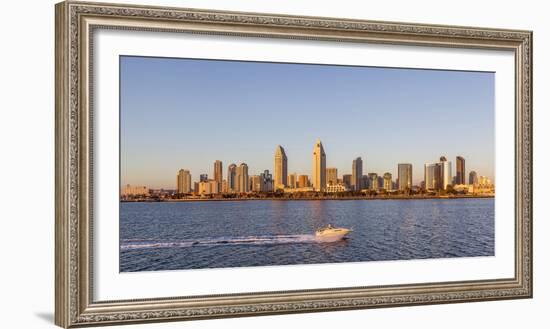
[218, 164]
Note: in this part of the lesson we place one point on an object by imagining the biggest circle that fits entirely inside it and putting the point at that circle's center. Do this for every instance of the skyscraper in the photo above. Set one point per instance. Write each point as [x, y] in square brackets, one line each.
[404, 174]
[432, 176]
[203, 177]
[255, 183]
[184, 181]
[446, 172]
[460, 170]
[280, 173]
[473, 178]
[231, 178]
[332, 176]
[356, 173]
[373, 181]
[267, 181]
[319, 171]
[242, 178]
[218, 177]
[387, 181]
[346, 179]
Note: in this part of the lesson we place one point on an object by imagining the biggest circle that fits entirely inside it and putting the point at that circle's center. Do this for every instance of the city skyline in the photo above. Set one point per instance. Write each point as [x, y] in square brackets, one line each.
[437, 175]
[207, 132]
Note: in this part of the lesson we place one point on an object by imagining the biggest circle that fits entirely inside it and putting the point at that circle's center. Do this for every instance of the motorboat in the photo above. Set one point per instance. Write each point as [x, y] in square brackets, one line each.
[330, 233]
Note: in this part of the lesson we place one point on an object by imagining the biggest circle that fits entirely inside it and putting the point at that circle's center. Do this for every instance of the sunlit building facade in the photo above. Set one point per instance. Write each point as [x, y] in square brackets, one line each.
[319, 170]
[404, 174]
[357, 174]
[232, 178]
[280, 168]
[460, 171]
[332, 176]
[387, 182]
[183, 183]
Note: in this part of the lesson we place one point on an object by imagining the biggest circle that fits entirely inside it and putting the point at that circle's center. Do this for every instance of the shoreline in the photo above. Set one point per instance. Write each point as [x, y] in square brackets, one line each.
[351, 198]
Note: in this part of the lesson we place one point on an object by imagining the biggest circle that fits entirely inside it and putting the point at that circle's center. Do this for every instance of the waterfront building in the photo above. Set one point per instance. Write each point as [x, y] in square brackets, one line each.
[209, 187]
[473, 178]
[130, 190]
[446, 172]
[332, 176]
[224, 186]
[241, 178]
[196, 187]
[319, 171]
[303, 181]
[404, 174]
[183, 181]
[356, 174]
[338, 187]
[346, 179]
[267, 181]
[255, 183]
[365, 182]
[280, 168]
[484, 181]
[463, 188]
[231, 178]
[298, 189]
[380, 182]
[432, 176]
[218, 172]
[373, 181]
[203, 177]
[292, 180]
[387, 182]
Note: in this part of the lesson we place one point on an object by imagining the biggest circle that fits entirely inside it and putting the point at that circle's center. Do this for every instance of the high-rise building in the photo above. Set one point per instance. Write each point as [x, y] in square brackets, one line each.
[365, 182]
[203, 177]
[231, 178]
[332, 176]
[267, 181]
[280, 169]
[347, 181]
[373, 181]
[255, 183]
[356, 173]
[303, 181]
[183, 181]
[432, 176]
[404, 174]
[319, 171]
[446, 172]
[473, 178]
[241, 178]
[387, 182]
[292, 180]
[218, 172]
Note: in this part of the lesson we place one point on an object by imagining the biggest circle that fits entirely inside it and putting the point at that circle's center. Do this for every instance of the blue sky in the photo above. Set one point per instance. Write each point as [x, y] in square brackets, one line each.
[186, 113]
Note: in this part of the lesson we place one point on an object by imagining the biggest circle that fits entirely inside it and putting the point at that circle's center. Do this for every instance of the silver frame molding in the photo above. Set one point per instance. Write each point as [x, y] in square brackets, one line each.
[75, 24]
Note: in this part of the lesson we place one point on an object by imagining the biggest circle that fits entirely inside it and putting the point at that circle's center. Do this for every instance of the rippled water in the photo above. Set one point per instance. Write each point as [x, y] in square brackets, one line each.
[213, 234]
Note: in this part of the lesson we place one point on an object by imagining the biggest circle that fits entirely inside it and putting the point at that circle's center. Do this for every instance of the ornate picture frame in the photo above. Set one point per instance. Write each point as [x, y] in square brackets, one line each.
[76, 23]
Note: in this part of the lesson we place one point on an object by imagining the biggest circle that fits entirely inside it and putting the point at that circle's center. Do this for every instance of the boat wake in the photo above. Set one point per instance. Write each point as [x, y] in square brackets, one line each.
[130, 244]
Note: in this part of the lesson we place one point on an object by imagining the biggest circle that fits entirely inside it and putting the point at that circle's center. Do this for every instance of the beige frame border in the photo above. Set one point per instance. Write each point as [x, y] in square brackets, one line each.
[75, 23]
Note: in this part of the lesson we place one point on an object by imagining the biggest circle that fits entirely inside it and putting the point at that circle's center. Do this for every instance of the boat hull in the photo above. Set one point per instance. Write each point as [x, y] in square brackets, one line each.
[332, 235]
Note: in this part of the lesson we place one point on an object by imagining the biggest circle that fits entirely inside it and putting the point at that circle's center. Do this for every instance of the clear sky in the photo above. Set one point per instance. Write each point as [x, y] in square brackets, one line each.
[187, 113]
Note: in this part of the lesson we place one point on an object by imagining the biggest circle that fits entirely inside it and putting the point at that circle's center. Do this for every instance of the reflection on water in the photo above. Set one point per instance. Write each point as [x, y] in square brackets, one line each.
[212, 234]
